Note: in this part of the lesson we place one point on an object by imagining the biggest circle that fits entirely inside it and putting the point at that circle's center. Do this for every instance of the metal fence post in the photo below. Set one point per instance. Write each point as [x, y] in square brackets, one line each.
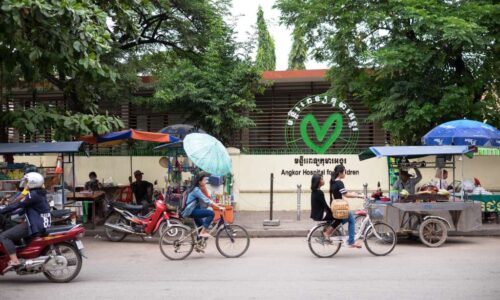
[299, 193]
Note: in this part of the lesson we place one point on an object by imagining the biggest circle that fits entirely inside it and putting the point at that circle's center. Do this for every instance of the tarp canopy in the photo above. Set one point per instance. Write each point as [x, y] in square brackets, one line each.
[28, 148]
[413, 151]
[118, 137]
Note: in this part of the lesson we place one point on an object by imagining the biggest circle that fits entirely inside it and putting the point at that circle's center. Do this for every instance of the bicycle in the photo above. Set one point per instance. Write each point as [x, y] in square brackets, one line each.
[379, 238]
[181, 240]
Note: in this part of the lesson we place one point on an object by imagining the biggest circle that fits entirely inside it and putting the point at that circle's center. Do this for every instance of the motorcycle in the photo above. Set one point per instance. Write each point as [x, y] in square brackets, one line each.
[58, 254]
[124, 219]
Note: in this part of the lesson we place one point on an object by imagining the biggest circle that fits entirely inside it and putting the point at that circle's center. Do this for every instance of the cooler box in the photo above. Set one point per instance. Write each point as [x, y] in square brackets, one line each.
[228, 214]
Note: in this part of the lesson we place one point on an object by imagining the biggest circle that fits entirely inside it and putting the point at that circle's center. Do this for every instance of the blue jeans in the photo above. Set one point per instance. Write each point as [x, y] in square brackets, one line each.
[351, 227]
[203, 216]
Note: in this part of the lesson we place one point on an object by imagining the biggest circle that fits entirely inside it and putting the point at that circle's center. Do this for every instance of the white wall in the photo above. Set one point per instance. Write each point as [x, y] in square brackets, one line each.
[252, 174]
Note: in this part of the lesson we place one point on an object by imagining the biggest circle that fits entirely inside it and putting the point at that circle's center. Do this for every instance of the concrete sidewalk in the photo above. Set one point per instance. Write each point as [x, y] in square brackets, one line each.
[291, 227]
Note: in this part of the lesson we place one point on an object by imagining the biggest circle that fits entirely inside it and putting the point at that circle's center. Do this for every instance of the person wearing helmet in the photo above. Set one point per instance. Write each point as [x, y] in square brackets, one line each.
[37, 213]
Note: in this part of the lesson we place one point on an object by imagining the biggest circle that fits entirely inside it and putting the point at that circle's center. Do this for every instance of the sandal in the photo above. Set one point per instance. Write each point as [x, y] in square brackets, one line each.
[11, 266]
[355, 245]
[205, 235]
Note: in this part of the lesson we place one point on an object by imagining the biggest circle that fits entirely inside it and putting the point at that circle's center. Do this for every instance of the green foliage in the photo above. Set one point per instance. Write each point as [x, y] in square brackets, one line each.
[415, 63]
[215, 92]
[298, 53]
[266, 57]
[62, 125]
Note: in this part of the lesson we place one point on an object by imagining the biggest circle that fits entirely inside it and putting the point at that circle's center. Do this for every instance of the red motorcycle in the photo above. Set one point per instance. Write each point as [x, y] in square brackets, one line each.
[124, 219]
[58, 254]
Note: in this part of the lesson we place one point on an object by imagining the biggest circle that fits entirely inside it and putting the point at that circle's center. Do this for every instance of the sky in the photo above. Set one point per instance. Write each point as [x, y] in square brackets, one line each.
[245, 12]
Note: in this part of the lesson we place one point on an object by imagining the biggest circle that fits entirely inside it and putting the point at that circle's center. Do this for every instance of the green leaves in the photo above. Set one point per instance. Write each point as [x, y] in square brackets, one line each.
[266, 57]
[414, 63]
[62, 125]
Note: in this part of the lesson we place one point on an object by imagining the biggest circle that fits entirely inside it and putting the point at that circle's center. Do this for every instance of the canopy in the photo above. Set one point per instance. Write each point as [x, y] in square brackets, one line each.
[463, 132]
[114, 138]
[28, 148]
[414, 151]
[181, 130]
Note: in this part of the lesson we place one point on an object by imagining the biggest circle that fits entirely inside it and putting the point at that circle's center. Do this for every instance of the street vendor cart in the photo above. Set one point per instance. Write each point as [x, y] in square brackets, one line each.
[428, 214]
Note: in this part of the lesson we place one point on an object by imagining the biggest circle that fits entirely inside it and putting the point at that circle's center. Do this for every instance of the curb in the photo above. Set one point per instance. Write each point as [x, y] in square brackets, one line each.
[283, 233]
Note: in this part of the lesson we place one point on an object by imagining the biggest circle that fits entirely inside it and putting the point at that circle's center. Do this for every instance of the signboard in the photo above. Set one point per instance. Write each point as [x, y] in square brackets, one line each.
[322, 124]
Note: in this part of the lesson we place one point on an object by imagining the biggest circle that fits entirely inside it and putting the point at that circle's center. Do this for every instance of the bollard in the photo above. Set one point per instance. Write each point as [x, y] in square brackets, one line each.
[299, 193]
[271, 222]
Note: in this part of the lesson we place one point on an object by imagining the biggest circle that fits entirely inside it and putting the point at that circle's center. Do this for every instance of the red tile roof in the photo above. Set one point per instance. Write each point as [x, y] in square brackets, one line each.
[295, 75]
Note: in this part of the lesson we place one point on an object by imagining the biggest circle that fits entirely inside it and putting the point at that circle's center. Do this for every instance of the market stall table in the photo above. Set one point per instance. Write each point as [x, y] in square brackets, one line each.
[93, 197]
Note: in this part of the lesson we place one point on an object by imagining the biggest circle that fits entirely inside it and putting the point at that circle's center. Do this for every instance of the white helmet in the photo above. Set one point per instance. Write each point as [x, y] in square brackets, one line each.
[32, 180]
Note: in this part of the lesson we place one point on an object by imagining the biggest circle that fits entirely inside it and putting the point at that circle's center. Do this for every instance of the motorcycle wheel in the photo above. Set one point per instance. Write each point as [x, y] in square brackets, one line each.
[113, 235]
[64, 253]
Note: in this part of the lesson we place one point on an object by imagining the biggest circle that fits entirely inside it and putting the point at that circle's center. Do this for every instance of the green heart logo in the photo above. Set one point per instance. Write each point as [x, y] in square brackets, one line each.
[321, 132]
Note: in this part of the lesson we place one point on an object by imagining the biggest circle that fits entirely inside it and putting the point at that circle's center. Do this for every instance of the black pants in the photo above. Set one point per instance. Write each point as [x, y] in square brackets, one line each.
[9, 236]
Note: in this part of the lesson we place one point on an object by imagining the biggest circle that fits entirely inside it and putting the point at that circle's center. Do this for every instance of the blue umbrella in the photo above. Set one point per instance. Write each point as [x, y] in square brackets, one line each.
[463, 132]
[207, 153]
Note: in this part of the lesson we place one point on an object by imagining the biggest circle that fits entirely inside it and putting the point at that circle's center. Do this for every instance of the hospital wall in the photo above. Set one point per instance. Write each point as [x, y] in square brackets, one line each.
[252, 174]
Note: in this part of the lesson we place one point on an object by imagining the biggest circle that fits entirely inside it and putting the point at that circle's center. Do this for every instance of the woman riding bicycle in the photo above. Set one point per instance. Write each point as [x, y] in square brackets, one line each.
[197, 204]
[339, 191]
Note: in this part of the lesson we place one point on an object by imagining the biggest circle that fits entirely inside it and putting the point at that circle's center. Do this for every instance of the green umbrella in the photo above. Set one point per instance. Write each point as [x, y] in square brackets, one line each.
[207, 153]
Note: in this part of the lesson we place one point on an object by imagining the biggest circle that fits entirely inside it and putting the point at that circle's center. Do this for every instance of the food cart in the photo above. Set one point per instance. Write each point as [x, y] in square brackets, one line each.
[427, 214]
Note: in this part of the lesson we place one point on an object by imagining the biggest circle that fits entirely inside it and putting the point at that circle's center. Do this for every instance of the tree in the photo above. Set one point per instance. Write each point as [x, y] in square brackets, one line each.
[298, 53]
[87, 49]
[215, 92]
[266, 57]
[414, 63]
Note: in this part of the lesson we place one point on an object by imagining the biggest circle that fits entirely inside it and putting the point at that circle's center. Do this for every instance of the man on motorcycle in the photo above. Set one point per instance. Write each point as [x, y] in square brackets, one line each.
[37, 213]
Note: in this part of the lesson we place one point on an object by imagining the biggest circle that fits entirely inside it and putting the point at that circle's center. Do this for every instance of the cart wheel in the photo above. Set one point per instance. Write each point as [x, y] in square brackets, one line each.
[433, 232]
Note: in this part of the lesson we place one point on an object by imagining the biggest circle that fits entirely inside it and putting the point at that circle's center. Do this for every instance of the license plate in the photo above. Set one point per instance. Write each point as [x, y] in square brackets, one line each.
[79, 245]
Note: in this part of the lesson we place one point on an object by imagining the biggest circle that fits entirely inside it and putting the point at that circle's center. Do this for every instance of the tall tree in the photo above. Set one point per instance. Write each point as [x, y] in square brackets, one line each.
[215, 92]
[266, 57]
[298, 54]
[414, 63]
[85, 48]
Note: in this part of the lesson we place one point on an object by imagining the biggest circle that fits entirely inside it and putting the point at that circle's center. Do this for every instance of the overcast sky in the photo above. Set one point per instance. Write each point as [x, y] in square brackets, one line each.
[246, 13]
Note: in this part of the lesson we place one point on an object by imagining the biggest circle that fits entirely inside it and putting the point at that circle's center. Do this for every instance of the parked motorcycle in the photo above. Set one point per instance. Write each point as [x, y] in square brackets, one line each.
[58, 254]
[124, 219]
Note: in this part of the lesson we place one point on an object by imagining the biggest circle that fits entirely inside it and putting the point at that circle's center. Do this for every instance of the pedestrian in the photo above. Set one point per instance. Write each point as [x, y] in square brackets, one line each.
[143, 191]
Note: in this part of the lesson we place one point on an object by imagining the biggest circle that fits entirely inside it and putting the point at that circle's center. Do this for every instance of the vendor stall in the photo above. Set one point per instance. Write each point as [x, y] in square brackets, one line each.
[429, 213]
[11, 173]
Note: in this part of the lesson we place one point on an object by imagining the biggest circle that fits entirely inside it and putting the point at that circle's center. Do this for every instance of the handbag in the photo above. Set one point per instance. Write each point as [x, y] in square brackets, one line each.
[340, 209]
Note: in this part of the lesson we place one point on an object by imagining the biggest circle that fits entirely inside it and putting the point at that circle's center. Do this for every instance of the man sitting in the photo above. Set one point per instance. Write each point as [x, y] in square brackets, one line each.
[143, 191]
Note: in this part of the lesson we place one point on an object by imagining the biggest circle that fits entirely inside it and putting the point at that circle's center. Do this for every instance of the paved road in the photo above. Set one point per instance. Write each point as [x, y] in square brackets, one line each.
[281, 268]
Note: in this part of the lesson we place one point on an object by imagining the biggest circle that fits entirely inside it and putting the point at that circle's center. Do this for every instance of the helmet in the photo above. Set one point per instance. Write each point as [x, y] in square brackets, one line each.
[32, 180]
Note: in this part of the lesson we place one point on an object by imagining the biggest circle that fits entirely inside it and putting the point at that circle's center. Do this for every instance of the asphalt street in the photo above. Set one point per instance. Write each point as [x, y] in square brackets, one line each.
[275, 268]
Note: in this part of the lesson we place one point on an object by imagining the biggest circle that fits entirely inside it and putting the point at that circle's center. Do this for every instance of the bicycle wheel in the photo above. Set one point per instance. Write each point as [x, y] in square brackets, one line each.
[232, 241]
[176, 242]
[324, 247]
[380, 239]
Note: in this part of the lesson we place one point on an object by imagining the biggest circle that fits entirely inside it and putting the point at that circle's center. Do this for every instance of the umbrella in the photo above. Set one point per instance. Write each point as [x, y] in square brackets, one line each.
[119, 137]
[181, 130]
[463, 132]
[207, 153]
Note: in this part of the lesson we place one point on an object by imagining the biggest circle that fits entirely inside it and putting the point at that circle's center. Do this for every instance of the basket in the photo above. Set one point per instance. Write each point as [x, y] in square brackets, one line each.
[228, 214]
